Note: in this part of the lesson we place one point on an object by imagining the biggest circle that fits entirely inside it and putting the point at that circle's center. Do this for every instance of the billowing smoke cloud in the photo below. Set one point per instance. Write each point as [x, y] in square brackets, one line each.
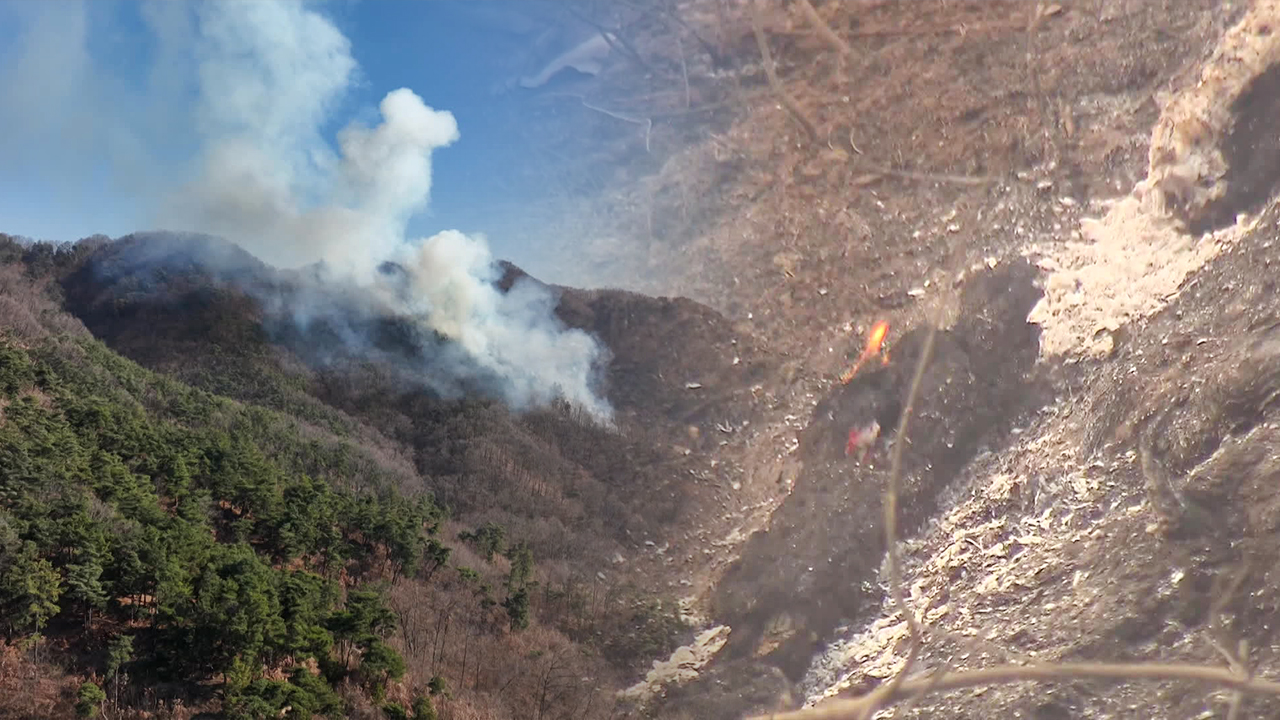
[270, 76]
[510, 334]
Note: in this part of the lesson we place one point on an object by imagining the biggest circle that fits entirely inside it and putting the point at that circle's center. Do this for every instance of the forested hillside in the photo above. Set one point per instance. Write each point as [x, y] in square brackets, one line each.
[240, 526]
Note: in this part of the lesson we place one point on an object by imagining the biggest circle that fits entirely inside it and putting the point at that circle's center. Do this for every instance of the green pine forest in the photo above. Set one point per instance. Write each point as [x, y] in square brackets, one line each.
[194, 522]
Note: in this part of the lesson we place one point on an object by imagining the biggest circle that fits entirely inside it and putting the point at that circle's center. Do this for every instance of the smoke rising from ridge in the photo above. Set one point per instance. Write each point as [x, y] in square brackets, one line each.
[270, 75]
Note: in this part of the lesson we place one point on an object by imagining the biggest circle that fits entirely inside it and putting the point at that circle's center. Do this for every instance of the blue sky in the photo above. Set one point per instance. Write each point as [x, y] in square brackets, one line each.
[108, 104]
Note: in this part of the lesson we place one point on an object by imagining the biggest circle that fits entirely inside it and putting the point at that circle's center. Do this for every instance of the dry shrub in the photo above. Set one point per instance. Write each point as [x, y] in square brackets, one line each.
[481, 707]
[26, 310]
[491, 671]
[16, 318]
[32, 688]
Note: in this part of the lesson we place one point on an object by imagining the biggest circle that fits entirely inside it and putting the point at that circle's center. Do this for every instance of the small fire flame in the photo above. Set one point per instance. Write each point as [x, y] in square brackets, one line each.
[875, 340]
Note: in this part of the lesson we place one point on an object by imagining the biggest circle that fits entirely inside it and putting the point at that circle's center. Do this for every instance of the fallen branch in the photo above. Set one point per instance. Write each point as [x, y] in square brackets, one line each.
[824, 30]
[669, 14]
[875, 699]
[647, 122]
[927, 177]
[1005, 674]
[684, 71]
[615, 40]
[1003, 25]
[660, 115]
[758, 29]
[932, 177]
[731, 102]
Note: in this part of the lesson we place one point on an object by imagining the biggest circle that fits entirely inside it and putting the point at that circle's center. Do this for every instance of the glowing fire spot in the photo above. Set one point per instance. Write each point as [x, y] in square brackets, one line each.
[875, 340]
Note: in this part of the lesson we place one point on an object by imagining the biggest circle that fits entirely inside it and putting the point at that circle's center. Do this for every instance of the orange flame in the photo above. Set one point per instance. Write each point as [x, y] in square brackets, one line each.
[875, 340]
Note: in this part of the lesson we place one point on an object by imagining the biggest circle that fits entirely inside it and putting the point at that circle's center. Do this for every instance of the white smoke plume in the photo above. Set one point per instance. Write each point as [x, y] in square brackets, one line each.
[270, 75]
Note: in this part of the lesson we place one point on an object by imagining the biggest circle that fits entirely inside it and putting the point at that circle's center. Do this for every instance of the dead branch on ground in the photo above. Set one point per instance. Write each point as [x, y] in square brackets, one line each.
[669, 16]
[720, 105]
[873, 170]
[615, 39]
[646, 122]
[744, 99]
[757, 27]
[891, 529]
[1046, 108]
[684, 71]
[1006, 674]
[824, 30]
[1015, 24]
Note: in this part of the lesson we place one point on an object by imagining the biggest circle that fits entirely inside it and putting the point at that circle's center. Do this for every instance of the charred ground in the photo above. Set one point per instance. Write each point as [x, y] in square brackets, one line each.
[808, 571]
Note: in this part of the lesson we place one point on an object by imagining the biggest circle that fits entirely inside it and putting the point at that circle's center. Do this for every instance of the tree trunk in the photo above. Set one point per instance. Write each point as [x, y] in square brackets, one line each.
[466, 645]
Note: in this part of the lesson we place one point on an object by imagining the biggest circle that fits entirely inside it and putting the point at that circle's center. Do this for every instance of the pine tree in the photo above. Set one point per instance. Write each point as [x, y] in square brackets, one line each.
[119, 652]
[31, 587]
[84, 587]
[124, 571]
[305, 599]
[236, 613]
[436, 556]
[88, 699]
[519, 584]
[423, 709]
[364, 615]
[379, 665]
[489, 539]
[517, 606]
